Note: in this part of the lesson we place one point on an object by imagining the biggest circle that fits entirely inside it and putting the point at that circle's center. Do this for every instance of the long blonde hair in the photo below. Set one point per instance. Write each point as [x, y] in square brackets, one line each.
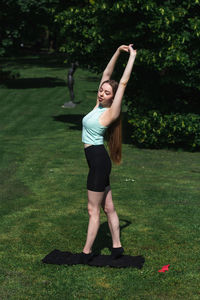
[114, 132]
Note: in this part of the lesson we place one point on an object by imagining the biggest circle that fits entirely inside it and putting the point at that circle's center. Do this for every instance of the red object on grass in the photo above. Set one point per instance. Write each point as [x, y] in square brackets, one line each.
[164, 268]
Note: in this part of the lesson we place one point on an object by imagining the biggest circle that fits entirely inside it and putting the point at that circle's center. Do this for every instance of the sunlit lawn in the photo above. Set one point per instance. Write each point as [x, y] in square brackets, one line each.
[43, 198]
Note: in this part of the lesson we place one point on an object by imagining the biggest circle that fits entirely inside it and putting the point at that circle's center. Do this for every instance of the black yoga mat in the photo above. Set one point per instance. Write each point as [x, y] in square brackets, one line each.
[67, 258]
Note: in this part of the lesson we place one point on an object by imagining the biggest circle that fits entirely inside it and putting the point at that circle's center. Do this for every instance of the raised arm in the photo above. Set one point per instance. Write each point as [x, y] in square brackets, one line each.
[117, 102]
[111, 65]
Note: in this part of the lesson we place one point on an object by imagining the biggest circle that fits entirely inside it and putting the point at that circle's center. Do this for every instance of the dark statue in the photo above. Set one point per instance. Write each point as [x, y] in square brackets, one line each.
[70, 84]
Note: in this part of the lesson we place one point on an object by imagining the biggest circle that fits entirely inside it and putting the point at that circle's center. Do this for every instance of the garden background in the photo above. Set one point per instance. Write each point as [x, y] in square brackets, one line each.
[42, 188]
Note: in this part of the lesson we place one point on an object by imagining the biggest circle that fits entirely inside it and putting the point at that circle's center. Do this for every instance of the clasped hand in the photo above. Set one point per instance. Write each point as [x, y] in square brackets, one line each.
[128, 49]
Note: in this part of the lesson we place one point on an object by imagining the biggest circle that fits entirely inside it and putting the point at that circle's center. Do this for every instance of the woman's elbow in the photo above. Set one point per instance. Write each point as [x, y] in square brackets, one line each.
[123, 83]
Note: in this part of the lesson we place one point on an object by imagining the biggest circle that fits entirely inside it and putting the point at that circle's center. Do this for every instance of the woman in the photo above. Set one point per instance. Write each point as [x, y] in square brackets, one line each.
[104, 117]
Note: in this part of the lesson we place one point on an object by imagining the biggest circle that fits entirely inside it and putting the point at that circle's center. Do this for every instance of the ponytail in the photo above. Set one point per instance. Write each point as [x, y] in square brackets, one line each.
[114, 140]
[114, 131]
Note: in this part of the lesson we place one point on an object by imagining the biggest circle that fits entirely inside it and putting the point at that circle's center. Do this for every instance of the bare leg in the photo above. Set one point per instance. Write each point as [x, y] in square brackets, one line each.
[113, 220]
[94, 204]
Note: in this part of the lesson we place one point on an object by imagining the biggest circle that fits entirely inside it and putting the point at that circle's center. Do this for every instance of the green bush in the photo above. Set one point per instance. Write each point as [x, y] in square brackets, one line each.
[155, 130]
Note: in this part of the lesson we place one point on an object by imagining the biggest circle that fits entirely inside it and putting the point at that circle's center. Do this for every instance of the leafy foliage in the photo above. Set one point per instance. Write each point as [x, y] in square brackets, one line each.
[27, 21]
[155, 130]
[166, 34]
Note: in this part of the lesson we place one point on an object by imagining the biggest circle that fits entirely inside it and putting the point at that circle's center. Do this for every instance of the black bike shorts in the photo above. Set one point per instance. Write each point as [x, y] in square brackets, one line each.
[99, 168]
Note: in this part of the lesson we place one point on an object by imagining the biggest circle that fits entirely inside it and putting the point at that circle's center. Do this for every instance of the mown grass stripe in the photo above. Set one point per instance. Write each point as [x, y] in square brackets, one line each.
[43, 203]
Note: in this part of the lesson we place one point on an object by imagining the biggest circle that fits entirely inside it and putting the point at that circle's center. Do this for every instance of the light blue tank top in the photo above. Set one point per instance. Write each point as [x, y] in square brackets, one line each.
[93, 131]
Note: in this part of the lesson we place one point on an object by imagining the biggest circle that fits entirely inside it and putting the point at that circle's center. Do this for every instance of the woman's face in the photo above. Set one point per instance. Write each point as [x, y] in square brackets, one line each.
[105, 95]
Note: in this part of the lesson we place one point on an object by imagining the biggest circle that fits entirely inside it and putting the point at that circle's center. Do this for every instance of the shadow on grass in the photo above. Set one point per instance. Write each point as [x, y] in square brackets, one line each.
[28, 83]
[103, 239]
[75, 122]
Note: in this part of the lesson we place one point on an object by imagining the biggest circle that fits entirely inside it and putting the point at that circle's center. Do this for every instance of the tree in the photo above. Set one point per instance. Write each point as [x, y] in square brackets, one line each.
[27, 21]
[166, 33]
[9, 26]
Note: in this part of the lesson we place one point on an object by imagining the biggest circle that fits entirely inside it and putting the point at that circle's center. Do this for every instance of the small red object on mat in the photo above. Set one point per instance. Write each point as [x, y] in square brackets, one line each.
[164, 268]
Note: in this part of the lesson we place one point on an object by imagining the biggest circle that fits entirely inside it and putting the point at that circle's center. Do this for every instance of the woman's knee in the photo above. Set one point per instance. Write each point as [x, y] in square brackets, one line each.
[93, 211]
[109, 209]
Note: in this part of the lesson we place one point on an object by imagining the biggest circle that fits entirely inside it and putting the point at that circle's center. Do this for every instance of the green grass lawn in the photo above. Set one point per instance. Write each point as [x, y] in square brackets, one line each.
[43, 203]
